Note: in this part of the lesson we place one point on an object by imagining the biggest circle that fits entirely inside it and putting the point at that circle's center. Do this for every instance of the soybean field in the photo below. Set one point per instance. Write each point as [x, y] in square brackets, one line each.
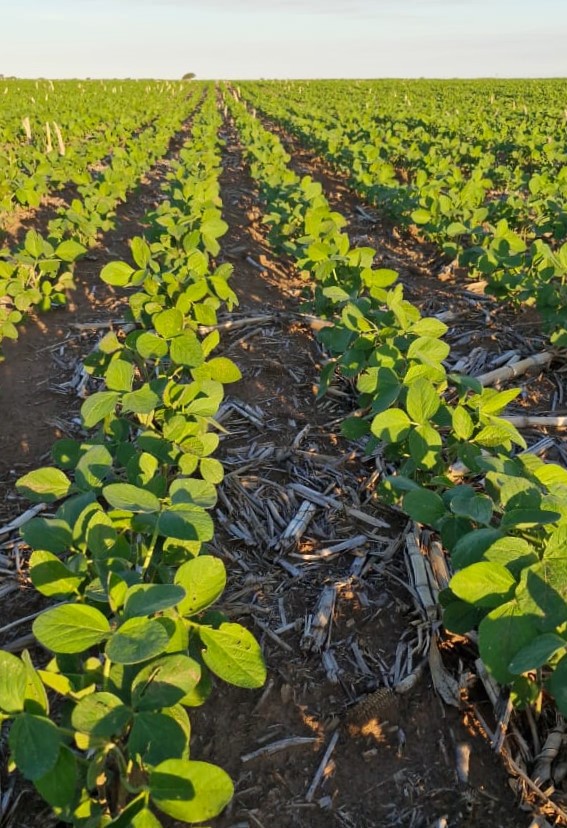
[283, 536]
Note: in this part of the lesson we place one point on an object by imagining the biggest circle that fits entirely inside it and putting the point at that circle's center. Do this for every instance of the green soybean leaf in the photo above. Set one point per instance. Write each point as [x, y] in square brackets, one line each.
[383, 384]
[233, 654]
[194, 492]
[124, 496]
[470, 548]
[424, 506]
[223, 370]
[528, 517]
[460, 617]
[502, 634]
[66, 453]
[13, 683]
[203, 579]
[136, 640]
[119, 375]
[44, 485]
[35, 742]
[127, 817]
[537, 653]
[34, 244]
[424, 446]
[557, 683]
[185, 349]
[93, 467]
[190, 791]
[110, 343]
[51, 534]
[429, 326]
[145, 819]
[35, 697]
[467, 503]
[51, 577]
[141, 401]
[101, 535]
[69, 251]
[211, 470]
[463, 425]
[96, 407]
[493, 402]
[514, 553]
[483, 584]
[58, 786]
[422, 401]
[190, 524]
[421, 216]
[197, 262]
[71, 628]
[157, 736]
[429, 350]
[391, 426]
[165, 682]
[145, 599]
[542, 593]
[354, 427]
[103, 715]
[141, 252]
[498, 435]
[118, 274]
[150, 346]
[168, 323]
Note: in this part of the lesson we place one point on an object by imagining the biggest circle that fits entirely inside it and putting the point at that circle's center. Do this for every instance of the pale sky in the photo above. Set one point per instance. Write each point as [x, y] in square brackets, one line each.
[283, 38]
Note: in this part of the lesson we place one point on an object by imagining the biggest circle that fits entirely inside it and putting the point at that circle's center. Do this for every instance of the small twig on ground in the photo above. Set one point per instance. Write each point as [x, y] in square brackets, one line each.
[271, 634]
[322, 766]
[234, 324]
[22, 519]
[276, 747]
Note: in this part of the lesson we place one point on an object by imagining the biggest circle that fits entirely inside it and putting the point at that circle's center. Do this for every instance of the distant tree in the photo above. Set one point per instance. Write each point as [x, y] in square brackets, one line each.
[188, 76]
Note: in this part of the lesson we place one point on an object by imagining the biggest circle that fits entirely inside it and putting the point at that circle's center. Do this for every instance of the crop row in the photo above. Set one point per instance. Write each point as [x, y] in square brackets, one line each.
[503, 515]
[490, 189]
[134, 638]
[52, 133]
[40, 271]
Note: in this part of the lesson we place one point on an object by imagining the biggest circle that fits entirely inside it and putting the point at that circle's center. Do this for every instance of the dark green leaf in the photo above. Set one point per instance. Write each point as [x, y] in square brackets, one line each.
[35, 742]
[424, 506]
[165, 682]
[136, 640]
[101, 714]
[537, 653]
[145, 599]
